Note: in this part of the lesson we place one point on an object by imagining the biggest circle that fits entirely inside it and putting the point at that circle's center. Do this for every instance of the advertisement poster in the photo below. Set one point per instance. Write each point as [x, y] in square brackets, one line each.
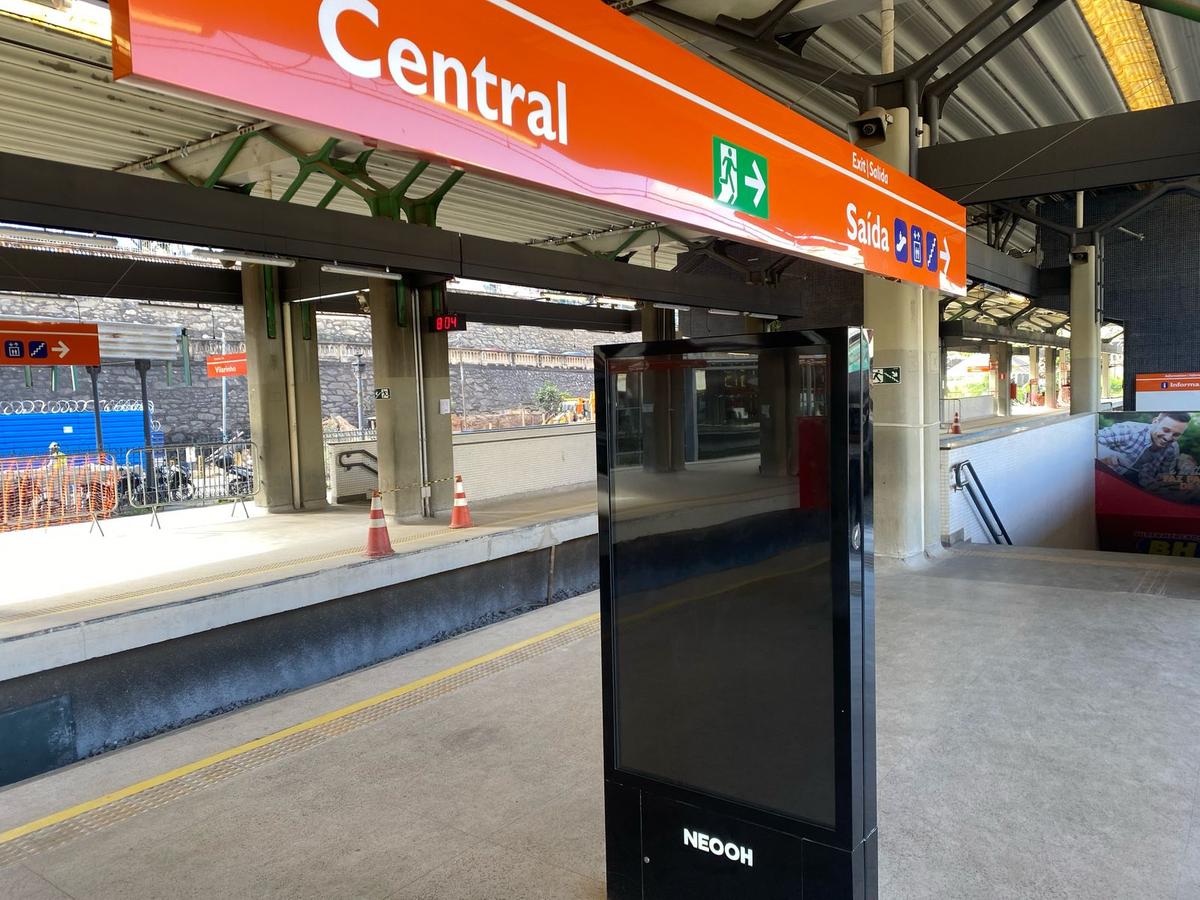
[1148, 482]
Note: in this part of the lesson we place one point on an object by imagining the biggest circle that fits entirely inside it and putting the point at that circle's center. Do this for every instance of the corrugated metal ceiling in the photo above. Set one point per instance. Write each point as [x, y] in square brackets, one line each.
[60, 103]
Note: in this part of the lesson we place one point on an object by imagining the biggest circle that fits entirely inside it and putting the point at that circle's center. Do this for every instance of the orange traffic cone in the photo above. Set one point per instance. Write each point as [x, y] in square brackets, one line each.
[956, 425]
[460, 516]
[379, 543]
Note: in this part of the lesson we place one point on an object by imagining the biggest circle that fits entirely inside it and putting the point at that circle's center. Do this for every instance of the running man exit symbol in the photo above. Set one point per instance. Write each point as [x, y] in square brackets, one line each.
[740, 179]
[886, 375]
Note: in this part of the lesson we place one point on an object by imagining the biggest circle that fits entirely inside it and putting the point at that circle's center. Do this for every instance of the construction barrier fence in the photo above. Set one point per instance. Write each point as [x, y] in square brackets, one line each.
[189, 474]
[57, 489]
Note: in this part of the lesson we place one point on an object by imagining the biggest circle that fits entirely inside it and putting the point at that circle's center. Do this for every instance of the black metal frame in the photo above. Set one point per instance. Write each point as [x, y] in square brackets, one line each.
[853, 596]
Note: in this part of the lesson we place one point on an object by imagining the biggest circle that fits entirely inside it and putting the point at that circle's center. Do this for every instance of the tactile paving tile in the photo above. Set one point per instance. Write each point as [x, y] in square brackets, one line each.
[90, 821]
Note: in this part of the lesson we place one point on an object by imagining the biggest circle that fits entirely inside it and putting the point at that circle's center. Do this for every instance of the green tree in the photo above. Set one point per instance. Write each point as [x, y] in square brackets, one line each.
[548, 398]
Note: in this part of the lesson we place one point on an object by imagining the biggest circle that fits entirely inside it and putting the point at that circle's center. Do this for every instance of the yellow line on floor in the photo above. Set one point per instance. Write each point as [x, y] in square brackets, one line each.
[174, 774]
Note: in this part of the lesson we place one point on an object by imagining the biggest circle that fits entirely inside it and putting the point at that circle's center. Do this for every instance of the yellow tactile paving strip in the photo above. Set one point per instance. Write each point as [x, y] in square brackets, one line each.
[95, 815]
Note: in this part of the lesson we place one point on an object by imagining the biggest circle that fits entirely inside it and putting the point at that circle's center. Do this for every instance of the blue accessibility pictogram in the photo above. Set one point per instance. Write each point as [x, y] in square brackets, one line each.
[931, 251]
[14, 349]
[900, 232]
[39, 350]
[918, 256]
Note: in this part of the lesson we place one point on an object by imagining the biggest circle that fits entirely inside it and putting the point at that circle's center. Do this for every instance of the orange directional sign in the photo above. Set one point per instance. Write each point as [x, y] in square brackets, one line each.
[562, 94]
[226, 365]
[49, 343]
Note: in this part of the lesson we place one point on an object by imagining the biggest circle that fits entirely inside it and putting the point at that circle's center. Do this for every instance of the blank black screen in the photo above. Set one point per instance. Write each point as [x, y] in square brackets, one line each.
[721, 581]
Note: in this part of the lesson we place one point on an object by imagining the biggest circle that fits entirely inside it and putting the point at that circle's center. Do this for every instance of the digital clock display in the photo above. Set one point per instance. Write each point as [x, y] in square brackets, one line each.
[448, 322]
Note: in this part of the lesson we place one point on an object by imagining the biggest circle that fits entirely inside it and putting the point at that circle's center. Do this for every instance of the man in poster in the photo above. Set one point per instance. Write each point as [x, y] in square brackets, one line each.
[1143, 452]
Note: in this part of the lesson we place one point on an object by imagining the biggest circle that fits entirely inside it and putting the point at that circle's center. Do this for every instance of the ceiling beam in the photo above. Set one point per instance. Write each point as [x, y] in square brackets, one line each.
[58, 195]
[997, 268]
[1127, 148]
[965, 328]
[82, 275]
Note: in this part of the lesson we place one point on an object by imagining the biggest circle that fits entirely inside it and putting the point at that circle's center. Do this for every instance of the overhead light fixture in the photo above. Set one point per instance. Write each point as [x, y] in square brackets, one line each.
[385, 274]
[726, 312]
[248, 259]
[672, 306]
[1120, 30]
[57, 238]
[763, 316]
[330, 296]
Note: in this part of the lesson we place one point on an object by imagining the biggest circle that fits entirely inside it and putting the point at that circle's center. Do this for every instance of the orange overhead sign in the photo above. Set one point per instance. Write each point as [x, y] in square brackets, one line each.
[49, 343]
[571, 96]
[1168, 381]
[226, 365]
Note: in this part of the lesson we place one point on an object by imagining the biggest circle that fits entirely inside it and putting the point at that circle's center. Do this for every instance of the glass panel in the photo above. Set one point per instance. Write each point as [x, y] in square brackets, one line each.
[722, 588]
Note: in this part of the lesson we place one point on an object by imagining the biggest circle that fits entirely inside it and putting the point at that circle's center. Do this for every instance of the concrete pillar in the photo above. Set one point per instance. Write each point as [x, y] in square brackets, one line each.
[307, 440]
[1105, 375]
[1034, 377]
[781, 395]
[394, 351]
[1000, 354]
[435, 378]
[904, 321]
[664, 441]
[1051, 378]
[284, 391]
[1085, 332]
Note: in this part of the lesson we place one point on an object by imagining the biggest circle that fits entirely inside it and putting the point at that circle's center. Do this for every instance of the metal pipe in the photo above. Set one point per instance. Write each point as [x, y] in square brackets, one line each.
[422, 412]
[150, 482]
[359, 368]
[927, 66]
[224, 397]
[887, 32]
[1191, 187]
[1028, 216]
[1186, 9]
[94, 374]
[842, 82]
[947, 83]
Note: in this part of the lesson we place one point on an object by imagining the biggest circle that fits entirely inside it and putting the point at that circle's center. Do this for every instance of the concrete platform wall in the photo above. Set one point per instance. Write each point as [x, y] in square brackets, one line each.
[492, 463]
[1040, 478]
[58, 716]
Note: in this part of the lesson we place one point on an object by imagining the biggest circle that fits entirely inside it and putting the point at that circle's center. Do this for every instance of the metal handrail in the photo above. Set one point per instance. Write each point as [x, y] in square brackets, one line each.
[966, 484]
[358, 464]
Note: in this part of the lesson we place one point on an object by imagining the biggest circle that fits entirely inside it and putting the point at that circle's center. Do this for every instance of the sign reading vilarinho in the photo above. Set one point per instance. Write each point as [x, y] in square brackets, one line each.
[524, 89]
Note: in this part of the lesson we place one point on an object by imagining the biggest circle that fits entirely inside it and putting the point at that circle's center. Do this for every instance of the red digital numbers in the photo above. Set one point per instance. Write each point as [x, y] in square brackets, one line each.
[447, 322]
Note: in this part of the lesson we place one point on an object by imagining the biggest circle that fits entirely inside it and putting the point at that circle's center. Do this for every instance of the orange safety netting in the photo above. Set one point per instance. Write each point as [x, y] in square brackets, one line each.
[38, 491]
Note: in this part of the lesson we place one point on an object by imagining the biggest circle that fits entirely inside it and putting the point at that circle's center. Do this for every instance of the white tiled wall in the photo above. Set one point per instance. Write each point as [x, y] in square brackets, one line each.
[497, 463]
[969, 408]
[1041, 481]
[493, 463]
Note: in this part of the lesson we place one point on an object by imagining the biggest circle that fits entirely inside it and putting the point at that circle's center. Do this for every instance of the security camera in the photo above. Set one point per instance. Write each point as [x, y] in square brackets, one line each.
[362, 301]
[870, 128]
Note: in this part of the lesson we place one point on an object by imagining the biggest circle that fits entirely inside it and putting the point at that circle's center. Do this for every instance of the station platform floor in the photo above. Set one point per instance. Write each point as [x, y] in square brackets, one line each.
[59, 580]
[1037, 722]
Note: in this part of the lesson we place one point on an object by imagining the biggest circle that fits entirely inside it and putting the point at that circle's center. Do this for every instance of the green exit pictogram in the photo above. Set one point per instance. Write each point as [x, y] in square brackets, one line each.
[740, 178]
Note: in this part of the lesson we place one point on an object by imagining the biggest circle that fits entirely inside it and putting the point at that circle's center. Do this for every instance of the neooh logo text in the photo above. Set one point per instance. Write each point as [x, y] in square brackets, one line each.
[718, 847]
[480, 91]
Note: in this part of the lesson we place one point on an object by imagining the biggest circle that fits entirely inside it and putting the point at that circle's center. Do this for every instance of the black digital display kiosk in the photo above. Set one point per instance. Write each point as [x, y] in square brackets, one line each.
[738, 616]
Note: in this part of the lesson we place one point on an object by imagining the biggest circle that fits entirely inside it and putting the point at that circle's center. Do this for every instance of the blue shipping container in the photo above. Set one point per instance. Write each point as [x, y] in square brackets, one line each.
[29, 434]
